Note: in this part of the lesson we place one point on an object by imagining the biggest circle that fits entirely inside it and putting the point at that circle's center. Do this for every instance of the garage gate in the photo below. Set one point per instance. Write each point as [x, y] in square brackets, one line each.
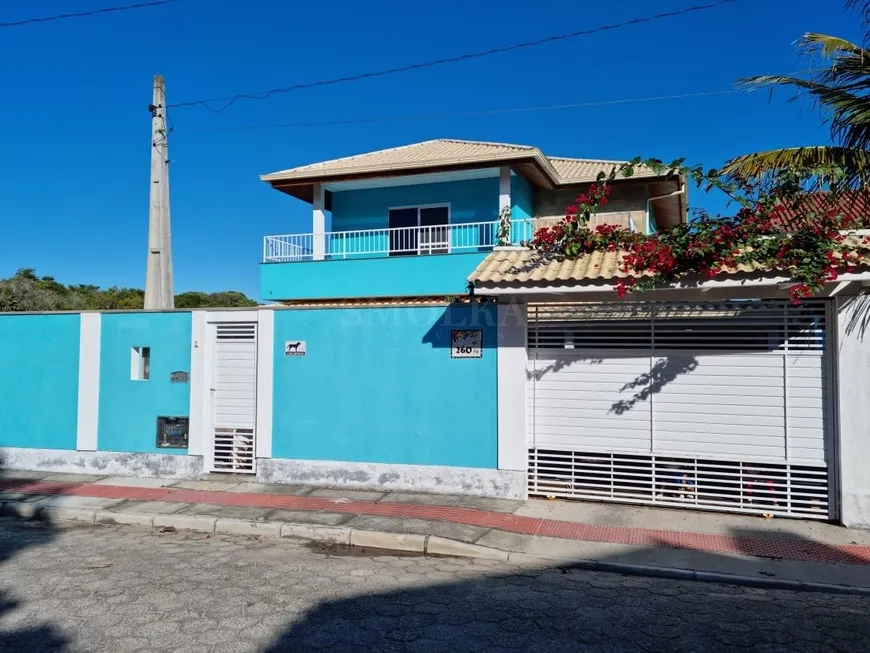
[720, 406]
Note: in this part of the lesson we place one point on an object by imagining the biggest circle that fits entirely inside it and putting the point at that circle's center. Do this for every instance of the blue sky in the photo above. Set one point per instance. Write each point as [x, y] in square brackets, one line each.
[75, 96]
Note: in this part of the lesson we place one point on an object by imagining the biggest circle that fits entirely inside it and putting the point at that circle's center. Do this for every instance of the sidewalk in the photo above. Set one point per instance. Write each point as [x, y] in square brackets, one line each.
[685, 544]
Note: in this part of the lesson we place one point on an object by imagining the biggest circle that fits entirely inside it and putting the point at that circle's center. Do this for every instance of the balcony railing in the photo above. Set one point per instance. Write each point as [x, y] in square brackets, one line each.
[400, 241]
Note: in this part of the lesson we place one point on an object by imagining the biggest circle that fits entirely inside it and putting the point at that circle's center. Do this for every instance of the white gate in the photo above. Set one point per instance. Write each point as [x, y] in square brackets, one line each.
[233, 397]
[721, 406]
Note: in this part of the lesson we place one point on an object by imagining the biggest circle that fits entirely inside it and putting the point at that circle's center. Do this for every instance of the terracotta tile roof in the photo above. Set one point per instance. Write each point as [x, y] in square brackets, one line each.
[581, 170]
[447, 152]
[523, 266]
[853, 205]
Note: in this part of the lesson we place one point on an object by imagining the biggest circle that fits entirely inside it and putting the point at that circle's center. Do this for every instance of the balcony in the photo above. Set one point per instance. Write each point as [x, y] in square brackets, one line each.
[407, 241]
[389, 262]
[402, 241]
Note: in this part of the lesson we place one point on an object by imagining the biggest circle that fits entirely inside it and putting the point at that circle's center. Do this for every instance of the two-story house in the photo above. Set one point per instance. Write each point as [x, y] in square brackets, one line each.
[364, 371]
[415, 221]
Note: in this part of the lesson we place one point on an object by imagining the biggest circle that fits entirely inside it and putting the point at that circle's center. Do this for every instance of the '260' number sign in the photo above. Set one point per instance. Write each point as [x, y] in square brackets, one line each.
[466, 344]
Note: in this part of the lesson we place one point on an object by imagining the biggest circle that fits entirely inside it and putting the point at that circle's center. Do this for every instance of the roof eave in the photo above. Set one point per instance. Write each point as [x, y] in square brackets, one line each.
[733, 281]
[397, 169]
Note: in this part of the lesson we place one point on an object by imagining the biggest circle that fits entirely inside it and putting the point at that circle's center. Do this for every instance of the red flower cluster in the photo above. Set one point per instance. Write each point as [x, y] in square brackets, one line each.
[812, 256]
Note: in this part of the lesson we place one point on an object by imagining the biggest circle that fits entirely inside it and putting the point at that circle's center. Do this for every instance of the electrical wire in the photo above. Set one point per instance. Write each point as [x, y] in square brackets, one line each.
[488, 112]
[83, 14]
[228, 101]
[460, 114]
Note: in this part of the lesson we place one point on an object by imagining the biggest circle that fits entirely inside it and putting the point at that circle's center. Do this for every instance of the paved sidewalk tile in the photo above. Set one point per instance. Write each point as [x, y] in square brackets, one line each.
[351, 495]
[305, 517]
[150, 507]
[460, 532]
[263, 488]
[478, 503]
[132, 481]
[85, 503]
[229, 512]
[73, 478]
[23, 474]
[214, 486]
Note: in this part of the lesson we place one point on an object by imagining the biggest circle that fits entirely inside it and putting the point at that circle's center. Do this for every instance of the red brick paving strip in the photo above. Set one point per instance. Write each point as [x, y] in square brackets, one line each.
[753, 546]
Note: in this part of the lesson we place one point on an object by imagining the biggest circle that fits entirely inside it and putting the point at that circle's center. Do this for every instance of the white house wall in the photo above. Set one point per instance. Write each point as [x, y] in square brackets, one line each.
[853, 386]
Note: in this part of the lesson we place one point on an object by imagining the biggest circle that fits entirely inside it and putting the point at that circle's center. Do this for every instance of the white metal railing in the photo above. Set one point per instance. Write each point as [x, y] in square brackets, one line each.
[407, 241]
[398, 241]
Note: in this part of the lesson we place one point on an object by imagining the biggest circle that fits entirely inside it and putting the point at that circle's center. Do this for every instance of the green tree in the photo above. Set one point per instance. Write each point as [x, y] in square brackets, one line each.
[840, 92]
[225, 299]
[25, 291]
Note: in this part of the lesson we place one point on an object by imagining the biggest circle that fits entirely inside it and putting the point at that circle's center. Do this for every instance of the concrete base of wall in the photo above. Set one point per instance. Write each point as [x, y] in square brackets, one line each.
[855, 511]
[101, 462]
[500, 484]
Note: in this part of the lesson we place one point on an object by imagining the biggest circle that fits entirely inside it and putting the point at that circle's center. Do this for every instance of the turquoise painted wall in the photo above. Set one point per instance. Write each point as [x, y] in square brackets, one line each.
[39, 373]
[440, 274]
[652, 227]
[472, 200]
[129, 409]
[522, 200]
[379, 385]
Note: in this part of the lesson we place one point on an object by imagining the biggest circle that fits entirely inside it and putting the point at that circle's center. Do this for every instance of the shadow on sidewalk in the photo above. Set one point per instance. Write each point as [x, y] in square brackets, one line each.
[582, 610]
[16, 536]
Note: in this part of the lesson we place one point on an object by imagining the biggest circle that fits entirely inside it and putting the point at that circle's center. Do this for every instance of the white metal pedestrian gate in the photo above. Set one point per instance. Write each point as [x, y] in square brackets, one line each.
[234, 397]
[722, 406]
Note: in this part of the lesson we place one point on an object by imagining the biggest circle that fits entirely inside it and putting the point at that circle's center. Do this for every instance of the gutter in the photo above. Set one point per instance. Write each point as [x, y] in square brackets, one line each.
[680, 191]
[579, 288]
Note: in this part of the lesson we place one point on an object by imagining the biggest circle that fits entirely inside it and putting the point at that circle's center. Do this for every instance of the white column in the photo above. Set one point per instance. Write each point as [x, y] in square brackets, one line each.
[199, 393]
[504, 188]
[265, 376]
[512, 357]
[319, 222]
[852, 383]
[89, 382]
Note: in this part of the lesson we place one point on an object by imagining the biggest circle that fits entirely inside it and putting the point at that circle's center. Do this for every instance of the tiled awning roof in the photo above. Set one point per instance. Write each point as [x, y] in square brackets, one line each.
[520, 267]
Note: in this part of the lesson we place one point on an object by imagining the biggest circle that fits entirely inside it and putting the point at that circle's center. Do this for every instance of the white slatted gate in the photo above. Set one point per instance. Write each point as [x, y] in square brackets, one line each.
[234, 397]
[721, 406]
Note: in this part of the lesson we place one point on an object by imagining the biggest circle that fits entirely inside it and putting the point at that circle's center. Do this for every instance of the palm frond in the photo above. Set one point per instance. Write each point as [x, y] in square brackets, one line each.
[850, 64]
[828, 166]
[862, 8]
[829, 46]
[849, 113]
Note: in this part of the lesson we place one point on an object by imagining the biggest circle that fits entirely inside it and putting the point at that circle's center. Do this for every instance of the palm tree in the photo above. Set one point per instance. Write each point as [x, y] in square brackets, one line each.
[840, 91]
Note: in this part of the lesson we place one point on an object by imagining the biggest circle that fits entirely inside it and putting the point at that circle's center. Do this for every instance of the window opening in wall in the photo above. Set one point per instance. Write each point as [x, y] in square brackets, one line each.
[140, 363]
[419, 230]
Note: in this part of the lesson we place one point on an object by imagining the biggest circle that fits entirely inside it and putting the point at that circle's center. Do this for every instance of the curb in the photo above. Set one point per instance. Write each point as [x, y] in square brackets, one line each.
[671, 573]
[425, 544]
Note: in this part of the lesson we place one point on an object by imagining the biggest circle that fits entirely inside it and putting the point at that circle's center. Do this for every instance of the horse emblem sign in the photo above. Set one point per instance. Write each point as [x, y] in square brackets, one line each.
[294, 347]
[466, 344]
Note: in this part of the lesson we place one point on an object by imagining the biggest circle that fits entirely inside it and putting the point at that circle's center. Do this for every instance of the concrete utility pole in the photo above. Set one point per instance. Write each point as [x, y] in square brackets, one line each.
[159, 292]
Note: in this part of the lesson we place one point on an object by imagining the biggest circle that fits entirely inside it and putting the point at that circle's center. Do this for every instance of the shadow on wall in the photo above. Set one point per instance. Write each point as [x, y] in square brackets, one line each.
[15, 536]
[661, 373]
[860, 318]
[568, 608]
[560, 363]
[464, 317]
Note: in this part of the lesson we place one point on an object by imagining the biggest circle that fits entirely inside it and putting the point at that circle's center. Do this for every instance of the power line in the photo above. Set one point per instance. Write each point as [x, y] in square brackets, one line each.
[459, 114]
[489, 112]
[232, 99]
[83, 14]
